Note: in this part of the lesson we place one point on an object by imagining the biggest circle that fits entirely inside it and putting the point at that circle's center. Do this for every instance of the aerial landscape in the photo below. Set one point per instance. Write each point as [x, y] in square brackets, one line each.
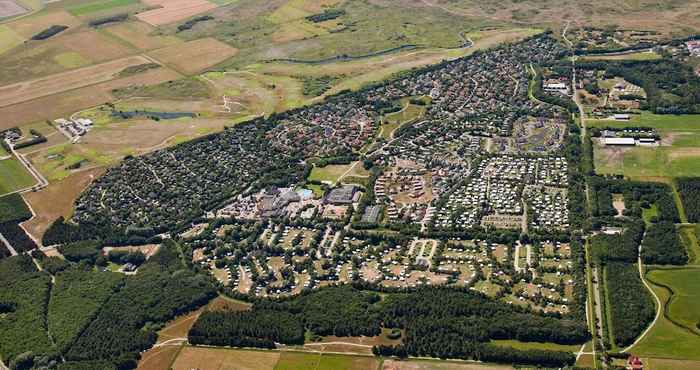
[349, 184]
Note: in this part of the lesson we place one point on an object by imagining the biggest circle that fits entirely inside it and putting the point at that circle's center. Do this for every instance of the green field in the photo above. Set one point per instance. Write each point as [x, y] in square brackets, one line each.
[313, 361]
[631, 56]
[14, 176]
[684, 306]
[393, 121]
[8, 38]
[330, 173]
[666, 339]
[535, 345]
[689, 235]
[98, 6]
[677, 156]
[661, 122]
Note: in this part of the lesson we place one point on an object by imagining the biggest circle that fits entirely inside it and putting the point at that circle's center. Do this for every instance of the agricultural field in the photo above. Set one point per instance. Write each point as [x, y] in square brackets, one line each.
[140, 35]
[33, 89]
[169, 11]
[225, 359]
[83, 9]
[194, 56]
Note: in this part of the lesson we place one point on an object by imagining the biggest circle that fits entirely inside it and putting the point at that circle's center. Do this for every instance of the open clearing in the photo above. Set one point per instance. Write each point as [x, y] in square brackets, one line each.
[666, 339]
[173, 10]
[224, 359]
[140, 35]
[684, 305]
[29, 90]
[8, 38]
[14, 176]
[56, 200]
[643, 55]
[195, 56]
[65, 103]
[330, 173]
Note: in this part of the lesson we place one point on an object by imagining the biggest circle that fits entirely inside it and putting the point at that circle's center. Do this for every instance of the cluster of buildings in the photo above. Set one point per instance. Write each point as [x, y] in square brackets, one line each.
[73, 128]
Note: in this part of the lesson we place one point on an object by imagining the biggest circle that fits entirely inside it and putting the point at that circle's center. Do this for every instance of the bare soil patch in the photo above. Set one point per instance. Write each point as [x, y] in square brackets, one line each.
[195, 56]
[56, 200]
[158, 358]
[9, 8]
[173, 10]
[224, 359]
[148, 250]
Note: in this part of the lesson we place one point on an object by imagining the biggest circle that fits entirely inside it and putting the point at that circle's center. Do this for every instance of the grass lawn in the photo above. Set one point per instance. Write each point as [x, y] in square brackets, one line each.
[689, 236]
[98, 6]
[8, 38]
[330, 173]
[314, 361]
[644, 55]
[535, 345]
[666, 339]
[648, 213]
[3, 152]
[393, 121]
[684, 306]
[661, 122]
[14, 176]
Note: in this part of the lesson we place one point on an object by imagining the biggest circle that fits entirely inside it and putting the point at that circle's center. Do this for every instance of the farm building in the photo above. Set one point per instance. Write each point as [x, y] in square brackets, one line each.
[621, 117]
[619, 141]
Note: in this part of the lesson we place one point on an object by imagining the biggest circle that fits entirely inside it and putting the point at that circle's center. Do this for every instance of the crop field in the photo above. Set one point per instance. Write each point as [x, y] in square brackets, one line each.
[535, 345]
[224, 359]
[312, 361]
[57, 105]
[31, 25]
[140, 35]
[195, 56]
[678, 154]
[14, 176]
[29, 90]
[668, 364]
[98, 6]
[170, 11]
[59, 54]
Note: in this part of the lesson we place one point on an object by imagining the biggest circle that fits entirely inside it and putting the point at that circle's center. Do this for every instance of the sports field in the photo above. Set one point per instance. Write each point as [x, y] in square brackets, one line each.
[14, 176]
[330, 173]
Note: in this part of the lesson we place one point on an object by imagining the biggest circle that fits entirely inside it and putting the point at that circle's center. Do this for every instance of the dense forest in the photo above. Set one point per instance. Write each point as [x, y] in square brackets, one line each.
[662, 245]
[622, 247]
[161, 290]
[689, 189]
[438, 322]
[13, 211]
[633, 308]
